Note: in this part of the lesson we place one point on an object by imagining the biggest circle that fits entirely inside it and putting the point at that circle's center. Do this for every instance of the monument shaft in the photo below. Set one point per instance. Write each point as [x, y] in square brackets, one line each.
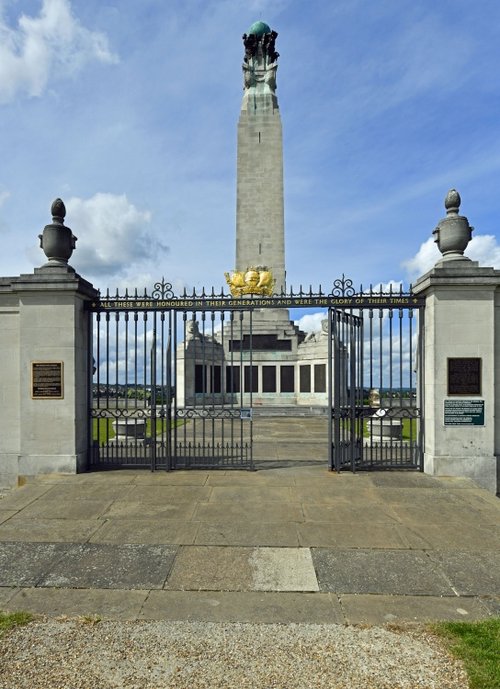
[260, 234]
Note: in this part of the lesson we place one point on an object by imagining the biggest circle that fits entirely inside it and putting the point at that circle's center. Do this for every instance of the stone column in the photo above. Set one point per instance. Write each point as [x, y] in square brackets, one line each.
[260, 233]
[44, 324]
[461, 337]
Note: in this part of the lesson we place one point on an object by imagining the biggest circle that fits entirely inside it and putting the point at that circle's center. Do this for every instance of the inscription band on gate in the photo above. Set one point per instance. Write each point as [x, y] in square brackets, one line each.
[218, 303]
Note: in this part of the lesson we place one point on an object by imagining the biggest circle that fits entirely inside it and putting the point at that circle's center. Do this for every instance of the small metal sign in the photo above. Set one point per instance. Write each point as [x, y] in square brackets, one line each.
[47, 380]
[246, 414]
[464, 376]
[464, 412]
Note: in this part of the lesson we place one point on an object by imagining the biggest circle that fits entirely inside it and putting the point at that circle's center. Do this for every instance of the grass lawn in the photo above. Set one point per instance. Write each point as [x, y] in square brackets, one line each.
[410, 429]
[14, 619]
[477, 644]
[102, 429]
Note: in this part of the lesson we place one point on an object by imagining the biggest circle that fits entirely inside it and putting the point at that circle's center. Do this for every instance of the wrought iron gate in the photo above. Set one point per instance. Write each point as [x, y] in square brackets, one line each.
[166, 394]
[175, 377]
[376, 376]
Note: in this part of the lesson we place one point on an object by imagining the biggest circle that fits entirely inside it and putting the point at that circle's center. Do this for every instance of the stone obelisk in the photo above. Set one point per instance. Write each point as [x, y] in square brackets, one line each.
[260, 234]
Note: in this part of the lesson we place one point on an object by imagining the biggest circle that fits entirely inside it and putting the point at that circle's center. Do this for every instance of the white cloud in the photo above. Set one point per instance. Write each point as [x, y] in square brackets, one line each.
[114, 237]
[483, 248]
[393, 286]
[311, 322]
[423, 260]
[51, 44]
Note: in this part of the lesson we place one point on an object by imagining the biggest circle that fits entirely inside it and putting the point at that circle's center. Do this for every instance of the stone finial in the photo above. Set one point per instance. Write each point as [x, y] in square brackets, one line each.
[57, 240]
[453, 233]
[58, 210]
[452, 202]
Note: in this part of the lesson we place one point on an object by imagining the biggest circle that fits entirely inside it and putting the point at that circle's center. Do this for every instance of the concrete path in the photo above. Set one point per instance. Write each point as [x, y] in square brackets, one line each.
[291, 544]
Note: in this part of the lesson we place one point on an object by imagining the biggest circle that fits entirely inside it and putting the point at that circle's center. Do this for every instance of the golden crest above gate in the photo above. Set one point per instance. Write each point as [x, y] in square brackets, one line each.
[258, 280]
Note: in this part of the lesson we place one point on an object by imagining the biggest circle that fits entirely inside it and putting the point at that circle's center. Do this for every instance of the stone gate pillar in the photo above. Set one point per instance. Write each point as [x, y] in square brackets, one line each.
[461, 358]
[46, 361]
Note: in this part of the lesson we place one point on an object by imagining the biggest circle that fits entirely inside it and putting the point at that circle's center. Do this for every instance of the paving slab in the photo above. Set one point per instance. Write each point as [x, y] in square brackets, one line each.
[249, 511]
[214, 568]
[6, 595]
[114, 604]
[457, 482]
[346, 514]
[52, 508]
[134, 509]
[245, 533]
[165, 494]
[406, 479]
[298, 470]
[302, 451]
[176, 478]
[24, 564]
[211, 568]
[18, 498]
[248, 607]
[492, 604]
[383, 609]
[429, 497]
[86, 491]
[458, 536]
[109, 566]
[6, 514]
[122, 476]
[48, 530]
[439, 514]
[478, 496]
[334, 496]
[264, 452]
[283, 569]
[484, 503]
[147, 530]
[351, 535]
[396, 572]
[253, 493]
[470, 574]
[251, 478]
[281, 464]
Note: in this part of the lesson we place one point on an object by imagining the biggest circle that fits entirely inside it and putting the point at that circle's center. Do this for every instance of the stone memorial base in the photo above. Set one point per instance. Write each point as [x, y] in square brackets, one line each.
[385, 430]
[129, 430]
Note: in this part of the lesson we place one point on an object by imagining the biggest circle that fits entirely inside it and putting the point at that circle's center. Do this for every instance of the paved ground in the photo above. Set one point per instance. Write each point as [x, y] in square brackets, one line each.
[283, 544]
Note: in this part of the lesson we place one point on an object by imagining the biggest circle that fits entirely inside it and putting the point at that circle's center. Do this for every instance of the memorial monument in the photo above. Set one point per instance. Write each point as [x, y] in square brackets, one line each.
[286, 366]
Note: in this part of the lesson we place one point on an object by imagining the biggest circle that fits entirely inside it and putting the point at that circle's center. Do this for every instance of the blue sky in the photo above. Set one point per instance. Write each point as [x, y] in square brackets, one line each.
[128, 111]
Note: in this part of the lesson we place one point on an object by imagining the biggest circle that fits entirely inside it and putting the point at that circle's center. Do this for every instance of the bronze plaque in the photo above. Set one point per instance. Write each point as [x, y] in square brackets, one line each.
[47, 380]
[464, 376]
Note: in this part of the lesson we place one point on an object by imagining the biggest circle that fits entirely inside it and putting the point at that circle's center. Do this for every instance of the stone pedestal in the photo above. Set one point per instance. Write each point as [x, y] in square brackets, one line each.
[129, 430]
[462, 320]
[385, 430]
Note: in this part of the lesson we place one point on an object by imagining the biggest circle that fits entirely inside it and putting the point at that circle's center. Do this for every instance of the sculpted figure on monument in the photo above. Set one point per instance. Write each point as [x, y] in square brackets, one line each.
[318, 335]
[250, 43]
[269, 41]
[260, 75]
[260, 60]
